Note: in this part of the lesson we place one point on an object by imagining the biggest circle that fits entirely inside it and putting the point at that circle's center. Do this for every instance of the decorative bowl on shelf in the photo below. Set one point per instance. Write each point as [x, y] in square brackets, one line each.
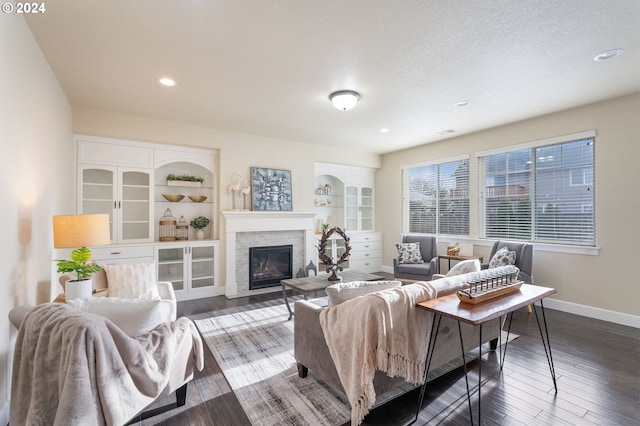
[197, 198]
[173, 197]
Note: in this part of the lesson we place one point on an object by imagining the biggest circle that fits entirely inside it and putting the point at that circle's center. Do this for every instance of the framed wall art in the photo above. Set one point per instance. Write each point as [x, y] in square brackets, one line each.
[271, 189]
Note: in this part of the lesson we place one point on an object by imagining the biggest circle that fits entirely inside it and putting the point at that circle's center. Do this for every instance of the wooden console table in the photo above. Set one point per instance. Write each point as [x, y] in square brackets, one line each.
[451, 307]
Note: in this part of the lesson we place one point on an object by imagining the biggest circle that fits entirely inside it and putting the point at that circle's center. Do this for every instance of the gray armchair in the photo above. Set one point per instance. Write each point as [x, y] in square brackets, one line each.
[524, 257]
[418, 271]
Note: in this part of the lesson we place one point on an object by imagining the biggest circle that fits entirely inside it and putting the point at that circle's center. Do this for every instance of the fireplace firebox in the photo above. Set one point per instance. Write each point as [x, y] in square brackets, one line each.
[269, 265]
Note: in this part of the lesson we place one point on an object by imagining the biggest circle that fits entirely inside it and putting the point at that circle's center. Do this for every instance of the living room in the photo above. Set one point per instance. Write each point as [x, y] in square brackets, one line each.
[38, 124]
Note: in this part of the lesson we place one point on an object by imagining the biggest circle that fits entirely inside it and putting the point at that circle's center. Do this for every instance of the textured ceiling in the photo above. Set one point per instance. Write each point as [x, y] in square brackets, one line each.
[267, 67]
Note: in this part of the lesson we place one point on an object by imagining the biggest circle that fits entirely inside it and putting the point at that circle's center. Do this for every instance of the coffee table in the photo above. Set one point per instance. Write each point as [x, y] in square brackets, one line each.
[308, 285]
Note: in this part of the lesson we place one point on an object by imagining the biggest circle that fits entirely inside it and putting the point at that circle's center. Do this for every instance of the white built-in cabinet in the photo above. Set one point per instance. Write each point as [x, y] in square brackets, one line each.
[344, 197]
[127, 180]
[192, 268]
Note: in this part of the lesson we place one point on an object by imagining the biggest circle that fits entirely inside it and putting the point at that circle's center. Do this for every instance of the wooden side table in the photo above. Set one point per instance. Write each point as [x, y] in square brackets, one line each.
[450, 306]
[102, 292]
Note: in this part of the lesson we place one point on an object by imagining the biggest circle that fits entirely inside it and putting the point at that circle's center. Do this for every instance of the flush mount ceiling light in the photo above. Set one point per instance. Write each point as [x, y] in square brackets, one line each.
[166, 81]
[609, 54]
[462, 103]
[344, 99]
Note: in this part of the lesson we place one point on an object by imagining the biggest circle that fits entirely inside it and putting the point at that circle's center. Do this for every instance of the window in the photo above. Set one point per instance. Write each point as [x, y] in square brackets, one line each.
[436, 198]
[540, 193]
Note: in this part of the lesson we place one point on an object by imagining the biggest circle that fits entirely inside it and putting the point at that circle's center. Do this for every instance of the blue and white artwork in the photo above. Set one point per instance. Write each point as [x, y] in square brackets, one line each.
[271, 189]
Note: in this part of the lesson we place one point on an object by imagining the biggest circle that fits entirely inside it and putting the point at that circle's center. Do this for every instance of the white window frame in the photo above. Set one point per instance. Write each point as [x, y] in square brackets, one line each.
[553, 246]
[406, 197]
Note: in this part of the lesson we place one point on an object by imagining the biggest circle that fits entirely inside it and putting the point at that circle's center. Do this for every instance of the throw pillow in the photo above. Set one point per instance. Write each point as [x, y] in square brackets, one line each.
[132, 281]
[342, 292]
[409, 253]
[503, 257]
[464, 267]
[134, 317]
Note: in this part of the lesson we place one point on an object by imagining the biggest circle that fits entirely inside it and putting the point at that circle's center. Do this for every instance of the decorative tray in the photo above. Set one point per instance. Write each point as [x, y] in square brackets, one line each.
[475, 295]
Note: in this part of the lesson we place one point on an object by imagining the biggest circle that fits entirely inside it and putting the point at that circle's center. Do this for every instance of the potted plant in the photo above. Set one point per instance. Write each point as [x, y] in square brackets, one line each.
[184, 180]
[82, 265]
[200, 223]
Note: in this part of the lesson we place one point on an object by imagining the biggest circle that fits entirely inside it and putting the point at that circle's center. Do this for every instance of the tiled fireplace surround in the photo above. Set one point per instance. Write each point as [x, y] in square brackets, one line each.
[258, 229]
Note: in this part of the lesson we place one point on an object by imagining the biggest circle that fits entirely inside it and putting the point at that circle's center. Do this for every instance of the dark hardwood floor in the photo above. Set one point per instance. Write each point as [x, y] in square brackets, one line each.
[597, 368]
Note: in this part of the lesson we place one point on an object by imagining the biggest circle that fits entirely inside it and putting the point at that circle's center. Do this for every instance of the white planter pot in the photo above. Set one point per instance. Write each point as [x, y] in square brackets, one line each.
[200, 234]
[78, 289]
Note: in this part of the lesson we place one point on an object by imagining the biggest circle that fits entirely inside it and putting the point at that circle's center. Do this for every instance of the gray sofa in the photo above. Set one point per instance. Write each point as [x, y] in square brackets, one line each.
[311, 351]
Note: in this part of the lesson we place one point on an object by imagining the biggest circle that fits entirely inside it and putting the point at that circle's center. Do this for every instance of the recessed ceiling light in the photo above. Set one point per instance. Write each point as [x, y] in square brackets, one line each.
[384, 130]
[609, 54]
[462, 103]
[166, 81]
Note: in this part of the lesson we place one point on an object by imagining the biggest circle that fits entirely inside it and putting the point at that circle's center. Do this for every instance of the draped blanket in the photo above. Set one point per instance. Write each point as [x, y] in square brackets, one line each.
[381, 330]
[75, 368]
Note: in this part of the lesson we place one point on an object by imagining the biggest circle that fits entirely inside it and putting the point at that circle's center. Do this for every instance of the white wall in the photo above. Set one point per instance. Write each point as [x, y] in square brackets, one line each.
[607, 281]
[36, 152]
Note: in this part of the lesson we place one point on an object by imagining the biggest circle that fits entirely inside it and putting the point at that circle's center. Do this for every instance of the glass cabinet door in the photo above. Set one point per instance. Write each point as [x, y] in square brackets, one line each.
[171, 261]
[202, 266]
[97, 193]
[340, 246]
[351, 208]
[366, 209]
[135, 207]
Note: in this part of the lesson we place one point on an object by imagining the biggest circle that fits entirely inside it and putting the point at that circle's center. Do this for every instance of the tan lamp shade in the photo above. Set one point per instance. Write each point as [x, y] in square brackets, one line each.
[81, 230]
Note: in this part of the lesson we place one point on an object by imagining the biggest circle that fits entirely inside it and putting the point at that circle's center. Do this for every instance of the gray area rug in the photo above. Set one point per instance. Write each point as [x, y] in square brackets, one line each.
[254, 350]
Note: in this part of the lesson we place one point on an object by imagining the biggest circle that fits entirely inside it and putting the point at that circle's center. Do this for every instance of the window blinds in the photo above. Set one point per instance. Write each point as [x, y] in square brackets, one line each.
[541, 193]
[436, 198]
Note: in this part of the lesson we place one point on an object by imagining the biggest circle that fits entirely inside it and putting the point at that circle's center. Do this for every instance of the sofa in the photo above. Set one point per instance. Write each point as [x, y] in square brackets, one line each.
[312, 353]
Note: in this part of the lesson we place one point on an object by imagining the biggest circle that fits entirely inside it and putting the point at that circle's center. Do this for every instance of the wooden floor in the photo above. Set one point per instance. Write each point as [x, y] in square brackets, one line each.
[597, 368]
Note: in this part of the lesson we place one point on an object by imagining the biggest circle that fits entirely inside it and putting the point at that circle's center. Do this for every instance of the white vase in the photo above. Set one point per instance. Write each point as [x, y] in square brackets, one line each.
[200, 234]
[78, 289]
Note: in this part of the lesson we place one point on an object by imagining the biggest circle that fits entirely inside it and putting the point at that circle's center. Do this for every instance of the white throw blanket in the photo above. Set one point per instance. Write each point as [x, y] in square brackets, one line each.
[75, 368]
[381, 330]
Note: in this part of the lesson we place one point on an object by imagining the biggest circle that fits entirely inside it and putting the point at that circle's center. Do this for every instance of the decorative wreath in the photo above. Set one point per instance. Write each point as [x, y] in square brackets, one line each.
[322, 248]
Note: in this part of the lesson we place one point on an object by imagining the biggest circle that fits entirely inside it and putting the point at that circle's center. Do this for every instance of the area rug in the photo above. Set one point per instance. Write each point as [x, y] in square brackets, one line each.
[254, 350]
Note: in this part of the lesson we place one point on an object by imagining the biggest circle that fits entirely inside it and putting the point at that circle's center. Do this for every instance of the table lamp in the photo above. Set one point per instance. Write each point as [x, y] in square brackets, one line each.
[79, 231]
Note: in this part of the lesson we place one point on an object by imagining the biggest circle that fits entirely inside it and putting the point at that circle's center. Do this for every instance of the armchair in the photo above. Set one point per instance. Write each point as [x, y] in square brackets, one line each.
[418, 271]
[524, 257]
[97, 374]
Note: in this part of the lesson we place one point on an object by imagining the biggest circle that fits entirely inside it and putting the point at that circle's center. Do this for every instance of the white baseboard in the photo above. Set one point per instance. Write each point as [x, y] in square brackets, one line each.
[583, 310]
[4, 414]
[592, 312]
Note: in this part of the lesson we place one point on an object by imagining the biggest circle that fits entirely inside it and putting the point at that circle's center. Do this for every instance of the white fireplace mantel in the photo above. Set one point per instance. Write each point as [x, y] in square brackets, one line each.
[263, 221]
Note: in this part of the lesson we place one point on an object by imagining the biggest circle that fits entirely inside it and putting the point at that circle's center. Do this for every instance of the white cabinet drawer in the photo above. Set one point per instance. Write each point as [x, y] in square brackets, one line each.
[368, 246]
[372, 265]
[357, 255]
[115, 253]
[364, 238]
